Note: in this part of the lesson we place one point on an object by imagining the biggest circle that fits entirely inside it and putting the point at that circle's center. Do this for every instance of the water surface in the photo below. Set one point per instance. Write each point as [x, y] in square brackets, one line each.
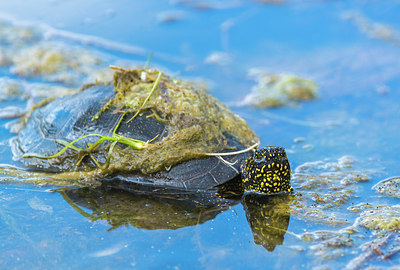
[350, 132]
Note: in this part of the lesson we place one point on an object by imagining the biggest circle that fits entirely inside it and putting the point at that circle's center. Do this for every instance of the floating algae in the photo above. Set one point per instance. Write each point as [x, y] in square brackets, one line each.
[375, 30]
[389, 187]
[17, 35]
[304, 211]
[359, 207]
[54, 62]
[383, 217]
[327, 245]
[275, 90]
[326, 185]
[29, 52]
[10, 89]
[328, 188]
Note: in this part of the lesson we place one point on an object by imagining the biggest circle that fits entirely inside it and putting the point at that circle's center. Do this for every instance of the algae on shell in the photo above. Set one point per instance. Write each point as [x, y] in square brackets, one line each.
[195, 122]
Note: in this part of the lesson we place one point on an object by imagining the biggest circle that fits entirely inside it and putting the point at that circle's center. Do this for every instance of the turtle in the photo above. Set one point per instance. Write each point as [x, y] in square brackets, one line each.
[147, 128]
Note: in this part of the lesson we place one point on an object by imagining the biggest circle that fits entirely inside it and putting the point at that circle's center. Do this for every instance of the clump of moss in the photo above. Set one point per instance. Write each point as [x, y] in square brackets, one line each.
[327, 245]
[26, 51]
[54, 62]
[389, 187]
[359, 207]
[333, 199]
[10, 89]
[275, 90]
[17, 35]
[385, 218]
[197, 122]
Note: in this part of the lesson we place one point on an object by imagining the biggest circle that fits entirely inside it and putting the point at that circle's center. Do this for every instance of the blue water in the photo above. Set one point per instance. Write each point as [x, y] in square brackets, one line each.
[351, 116]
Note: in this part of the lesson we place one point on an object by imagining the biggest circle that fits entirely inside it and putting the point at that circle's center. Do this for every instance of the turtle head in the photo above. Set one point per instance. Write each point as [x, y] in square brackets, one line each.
[267, 171]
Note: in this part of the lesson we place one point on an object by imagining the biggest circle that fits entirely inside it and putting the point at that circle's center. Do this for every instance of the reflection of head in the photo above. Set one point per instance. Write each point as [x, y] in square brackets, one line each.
[267, 171]
[268, 217]
[161, 210]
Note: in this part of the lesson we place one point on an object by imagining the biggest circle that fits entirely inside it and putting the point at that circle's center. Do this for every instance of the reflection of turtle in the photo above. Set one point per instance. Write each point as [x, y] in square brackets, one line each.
[268, 216]
[143, 209]
[151, 129]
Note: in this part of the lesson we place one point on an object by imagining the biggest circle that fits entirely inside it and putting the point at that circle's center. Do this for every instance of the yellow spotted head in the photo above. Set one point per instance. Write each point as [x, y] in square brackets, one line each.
[267, 171]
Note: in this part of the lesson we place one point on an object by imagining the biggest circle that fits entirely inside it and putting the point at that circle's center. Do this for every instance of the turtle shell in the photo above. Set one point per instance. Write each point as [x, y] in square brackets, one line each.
[64, 119]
